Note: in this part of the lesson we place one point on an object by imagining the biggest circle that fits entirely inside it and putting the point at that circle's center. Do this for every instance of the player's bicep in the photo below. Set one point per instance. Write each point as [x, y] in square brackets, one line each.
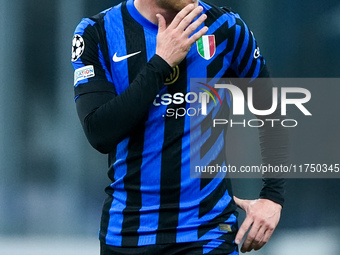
[87, 58]
[92, 82]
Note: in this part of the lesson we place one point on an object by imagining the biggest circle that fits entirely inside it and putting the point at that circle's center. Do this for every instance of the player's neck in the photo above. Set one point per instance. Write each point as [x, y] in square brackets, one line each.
[149, 8]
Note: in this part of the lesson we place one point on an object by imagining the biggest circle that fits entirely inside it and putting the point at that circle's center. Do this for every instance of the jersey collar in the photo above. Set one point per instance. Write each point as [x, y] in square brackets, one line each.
[139, 18]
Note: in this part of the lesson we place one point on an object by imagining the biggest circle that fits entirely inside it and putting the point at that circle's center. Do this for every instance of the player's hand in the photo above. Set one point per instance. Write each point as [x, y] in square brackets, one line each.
[262, 217]
[174, 41]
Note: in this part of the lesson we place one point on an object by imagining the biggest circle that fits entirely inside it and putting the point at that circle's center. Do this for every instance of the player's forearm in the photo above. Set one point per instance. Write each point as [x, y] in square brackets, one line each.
[274, 143]
[274, 150]
[116, 117]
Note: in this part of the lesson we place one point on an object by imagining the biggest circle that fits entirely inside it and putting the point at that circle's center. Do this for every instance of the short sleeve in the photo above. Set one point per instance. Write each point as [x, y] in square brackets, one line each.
[88, 59]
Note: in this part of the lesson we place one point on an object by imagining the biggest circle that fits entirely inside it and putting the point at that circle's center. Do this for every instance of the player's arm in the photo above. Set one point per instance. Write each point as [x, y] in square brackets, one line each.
[107, 118]
[248, 63]
[274, 140]
[263, 214]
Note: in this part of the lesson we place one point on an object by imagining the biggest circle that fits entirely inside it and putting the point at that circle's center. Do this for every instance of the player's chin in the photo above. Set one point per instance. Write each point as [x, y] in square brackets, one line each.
[182, 4]
[195, 2]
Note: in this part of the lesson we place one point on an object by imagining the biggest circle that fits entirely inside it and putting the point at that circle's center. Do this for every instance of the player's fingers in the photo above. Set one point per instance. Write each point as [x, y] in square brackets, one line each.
[161, 23]
[253, 246]
[192, 27]
[258, 241]
[250, 240]
[197, 35]
[181, 15]
[256, 246]
[189, 18]
[267, 235]
[262, 237]
[243, 229]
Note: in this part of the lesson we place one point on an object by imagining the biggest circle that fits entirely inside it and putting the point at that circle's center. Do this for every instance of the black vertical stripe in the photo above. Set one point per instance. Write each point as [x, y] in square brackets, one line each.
[171, 166]
[111, 160]
[135, 41]
[230, 73]
[213, 14]
[101, 33]
[240, 40]
[222, 33]
[91, 51]
[247, 55]
[105, 219]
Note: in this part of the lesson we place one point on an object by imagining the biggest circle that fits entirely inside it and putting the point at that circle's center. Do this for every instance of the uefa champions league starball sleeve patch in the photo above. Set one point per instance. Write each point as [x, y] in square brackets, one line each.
[78, 46]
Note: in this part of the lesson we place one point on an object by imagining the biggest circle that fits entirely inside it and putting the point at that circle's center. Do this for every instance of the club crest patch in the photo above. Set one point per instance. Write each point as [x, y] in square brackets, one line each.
[206, 46]
[78, 46]
[173, 77]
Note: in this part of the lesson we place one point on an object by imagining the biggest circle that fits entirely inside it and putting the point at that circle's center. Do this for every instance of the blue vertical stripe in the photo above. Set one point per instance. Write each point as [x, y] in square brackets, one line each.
[102, 62]
[151, 167]
[150, 177]
[117, 45]
[119, 196]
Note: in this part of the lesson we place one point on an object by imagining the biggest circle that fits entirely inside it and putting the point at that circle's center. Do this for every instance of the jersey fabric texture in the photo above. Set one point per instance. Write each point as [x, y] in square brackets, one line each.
[119, 90]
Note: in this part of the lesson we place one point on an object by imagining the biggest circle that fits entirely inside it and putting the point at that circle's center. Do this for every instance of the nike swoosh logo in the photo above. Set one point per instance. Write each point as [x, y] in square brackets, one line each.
[115, 58]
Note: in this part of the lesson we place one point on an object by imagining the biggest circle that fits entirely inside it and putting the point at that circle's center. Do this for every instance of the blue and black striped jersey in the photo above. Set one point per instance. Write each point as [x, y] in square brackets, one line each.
[152, 198]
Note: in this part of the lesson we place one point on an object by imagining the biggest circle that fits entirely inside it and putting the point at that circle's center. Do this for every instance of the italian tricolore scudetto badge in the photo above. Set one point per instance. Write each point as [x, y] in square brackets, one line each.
[206, 46]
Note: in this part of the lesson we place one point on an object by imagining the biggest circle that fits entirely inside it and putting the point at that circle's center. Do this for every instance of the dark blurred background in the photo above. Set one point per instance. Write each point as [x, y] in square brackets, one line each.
[52, 182]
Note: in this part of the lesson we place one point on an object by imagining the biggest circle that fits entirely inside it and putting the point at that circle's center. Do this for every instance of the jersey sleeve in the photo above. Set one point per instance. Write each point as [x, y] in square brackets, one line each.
[108, 118]
[274, 141]
[88, 59]
[247, 61]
